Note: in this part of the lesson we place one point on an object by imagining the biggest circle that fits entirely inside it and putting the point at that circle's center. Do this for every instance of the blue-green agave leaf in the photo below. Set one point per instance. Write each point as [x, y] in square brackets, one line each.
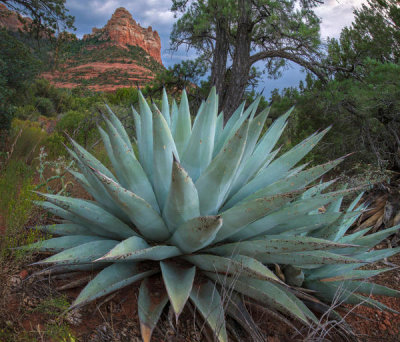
[241, 215]
[288, 212]
[151, 302]
[265, 292]
[337, 291]
[235, 265]
[274, 244]
[65, 229]
[182, 202]
[164, 149]
[89, 160]
[82, 254]
[61, 243]
[183, 126]
[146, 142]
[220, 173]
[111, 279]
[198, 153]
[165, 108]
[135, 248]
[119, 127]
[278, 167]
[146, 219]
[196, 233]
[179, 282]
[305, 258]
[228, 128]
[137, 180]
[138, 126]
[91, 213]
[207, 300]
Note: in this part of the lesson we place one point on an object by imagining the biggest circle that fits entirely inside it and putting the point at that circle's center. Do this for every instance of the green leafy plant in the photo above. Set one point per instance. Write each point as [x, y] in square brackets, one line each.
[208, 209]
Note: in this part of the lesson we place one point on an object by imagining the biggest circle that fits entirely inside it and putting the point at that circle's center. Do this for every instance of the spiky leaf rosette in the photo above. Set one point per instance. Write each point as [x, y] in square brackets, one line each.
[214, 210]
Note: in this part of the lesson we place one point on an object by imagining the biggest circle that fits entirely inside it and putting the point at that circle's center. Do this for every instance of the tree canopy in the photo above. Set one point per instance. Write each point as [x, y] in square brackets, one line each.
[48, 16]
[232, 36]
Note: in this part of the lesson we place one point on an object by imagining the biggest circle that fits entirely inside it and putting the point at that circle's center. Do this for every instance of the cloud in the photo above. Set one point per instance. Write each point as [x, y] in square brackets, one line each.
[336, 14]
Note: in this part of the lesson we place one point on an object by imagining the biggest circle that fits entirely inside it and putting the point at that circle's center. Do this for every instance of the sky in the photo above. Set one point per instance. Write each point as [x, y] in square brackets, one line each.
[335, 14]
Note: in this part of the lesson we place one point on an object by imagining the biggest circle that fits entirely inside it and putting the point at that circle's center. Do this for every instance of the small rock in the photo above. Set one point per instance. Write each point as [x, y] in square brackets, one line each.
[23, 274]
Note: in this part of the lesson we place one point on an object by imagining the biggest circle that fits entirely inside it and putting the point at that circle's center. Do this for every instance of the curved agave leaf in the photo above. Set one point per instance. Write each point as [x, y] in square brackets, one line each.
[111, 279]
[304, 224]
[289, 212]
[174, 117]
[305, 258]
[236, 265]
[366, 288]
[178, 282]
[219, 126]
[183, 127]
[135, 248]
[220, 173]
[165, 108]
[148, 222]
[275, 245]
[70, 217]
[278, 167]
[66, 229]
[207, 300]
[151, 302]
[138, 124]
[91, 212]
[89, 160]
[164, 149]
[295, 182]
[241, 215]
[137, 180]
[196, 233]
[82, 254]
[339, 292]
[182, 202]
[110, 154]
[265, 292]
[61, 243]
[255, 128]
[198, 153]
[228, 128]
[228, 133]
[94, 187]
[119, 127]
[145, 144]
[307, 312]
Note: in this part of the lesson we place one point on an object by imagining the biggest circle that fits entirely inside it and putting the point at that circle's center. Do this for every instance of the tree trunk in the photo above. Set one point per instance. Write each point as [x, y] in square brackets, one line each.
[240, 69]
[220, 56]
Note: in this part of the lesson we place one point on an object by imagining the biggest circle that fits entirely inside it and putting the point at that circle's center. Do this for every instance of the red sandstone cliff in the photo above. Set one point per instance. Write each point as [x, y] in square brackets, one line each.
[11, 20]
[123, 30]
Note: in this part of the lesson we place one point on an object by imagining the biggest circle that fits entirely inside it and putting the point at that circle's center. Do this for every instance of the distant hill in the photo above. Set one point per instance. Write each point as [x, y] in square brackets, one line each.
[119, 55]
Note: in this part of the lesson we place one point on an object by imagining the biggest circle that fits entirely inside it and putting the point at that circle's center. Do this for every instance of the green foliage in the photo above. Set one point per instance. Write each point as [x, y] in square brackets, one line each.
[48, 16]
[16, 185]
[17, 68]
[206, 209]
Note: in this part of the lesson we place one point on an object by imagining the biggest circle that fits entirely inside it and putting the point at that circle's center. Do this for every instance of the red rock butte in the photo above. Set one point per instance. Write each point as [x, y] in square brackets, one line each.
[123, 30]
[11, 21]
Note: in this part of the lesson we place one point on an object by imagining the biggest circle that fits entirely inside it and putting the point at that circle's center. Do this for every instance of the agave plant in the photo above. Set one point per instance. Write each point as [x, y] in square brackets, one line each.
[207, 213]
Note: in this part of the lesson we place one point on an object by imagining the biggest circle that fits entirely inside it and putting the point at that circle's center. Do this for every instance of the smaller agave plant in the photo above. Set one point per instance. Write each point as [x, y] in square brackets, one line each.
[205, 213]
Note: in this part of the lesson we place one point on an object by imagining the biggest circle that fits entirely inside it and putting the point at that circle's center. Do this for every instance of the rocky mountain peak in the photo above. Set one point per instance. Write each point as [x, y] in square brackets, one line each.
[123, 30]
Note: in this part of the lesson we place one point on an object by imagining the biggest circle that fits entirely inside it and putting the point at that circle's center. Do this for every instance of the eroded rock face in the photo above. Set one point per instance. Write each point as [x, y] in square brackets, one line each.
[123, 30]
[11, 21]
